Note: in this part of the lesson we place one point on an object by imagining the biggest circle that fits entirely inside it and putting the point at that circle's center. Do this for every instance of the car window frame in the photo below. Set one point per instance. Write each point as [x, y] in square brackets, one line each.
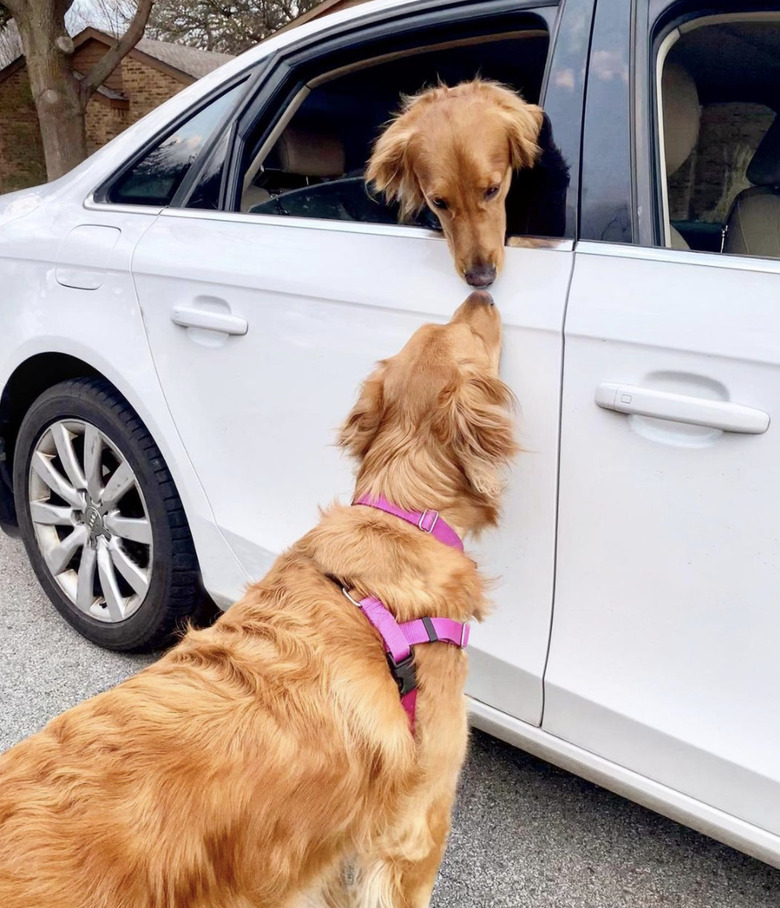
[306, 63]
[608, 206]
[565, 103]
[289, 69]
[658, 21]
[300, 92]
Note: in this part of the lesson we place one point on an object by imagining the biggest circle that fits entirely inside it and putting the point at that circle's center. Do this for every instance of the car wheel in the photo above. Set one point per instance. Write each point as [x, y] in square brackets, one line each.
[101, 519]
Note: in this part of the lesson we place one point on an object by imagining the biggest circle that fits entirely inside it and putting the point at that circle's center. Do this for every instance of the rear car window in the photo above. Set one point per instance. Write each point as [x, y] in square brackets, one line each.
[721, 138]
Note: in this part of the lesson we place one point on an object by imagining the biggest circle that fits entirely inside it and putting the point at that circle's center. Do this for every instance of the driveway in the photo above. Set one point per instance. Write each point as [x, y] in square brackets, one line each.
[525, 833]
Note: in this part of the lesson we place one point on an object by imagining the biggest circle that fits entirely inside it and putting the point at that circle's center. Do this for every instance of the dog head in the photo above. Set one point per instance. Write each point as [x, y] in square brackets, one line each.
[432, 426]
[454, 149]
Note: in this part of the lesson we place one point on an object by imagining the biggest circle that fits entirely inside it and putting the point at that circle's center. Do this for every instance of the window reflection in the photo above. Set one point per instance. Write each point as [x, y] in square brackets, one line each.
[206, 192]
[156, 177]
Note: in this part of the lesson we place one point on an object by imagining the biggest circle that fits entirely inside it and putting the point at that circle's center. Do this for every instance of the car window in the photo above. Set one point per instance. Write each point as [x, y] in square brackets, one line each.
[312, 164]
[721, 140]
[155, 178]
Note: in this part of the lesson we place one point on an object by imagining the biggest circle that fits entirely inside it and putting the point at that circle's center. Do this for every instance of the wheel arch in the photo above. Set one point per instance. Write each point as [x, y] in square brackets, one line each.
[37, 369]
[26, 383]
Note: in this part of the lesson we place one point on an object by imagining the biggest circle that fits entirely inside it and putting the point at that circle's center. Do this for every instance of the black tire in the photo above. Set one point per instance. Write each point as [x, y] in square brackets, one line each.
[175, 591]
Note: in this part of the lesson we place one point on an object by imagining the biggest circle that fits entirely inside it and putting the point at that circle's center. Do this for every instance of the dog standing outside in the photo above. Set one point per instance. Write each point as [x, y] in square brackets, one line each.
[259, 758]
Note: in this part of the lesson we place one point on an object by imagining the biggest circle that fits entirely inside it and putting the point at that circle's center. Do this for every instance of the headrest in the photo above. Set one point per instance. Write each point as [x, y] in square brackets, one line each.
[310, 154]
[681, 115]
[764, 169]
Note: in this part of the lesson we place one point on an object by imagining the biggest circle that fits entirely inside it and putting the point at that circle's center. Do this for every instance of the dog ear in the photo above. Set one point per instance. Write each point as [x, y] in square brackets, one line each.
[389, 168]
[475, 422]
[524, 124]
[363, 422]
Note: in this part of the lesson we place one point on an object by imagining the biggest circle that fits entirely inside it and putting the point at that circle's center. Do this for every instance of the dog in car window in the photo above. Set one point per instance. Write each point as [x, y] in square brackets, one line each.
[320, 724]
[483, 162]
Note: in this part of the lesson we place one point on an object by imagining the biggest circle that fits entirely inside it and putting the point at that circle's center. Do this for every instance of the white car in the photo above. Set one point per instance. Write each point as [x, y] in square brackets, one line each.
[187, 315]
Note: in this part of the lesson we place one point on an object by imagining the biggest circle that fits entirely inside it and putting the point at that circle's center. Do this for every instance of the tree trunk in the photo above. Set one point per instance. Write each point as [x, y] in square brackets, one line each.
[60, 96]
[48, 51]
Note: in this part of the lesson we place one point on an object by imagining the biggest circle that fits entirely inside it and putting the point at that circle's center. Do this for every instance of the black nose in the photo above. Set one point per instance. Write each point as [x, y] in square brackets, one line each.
[481, 275]
[480, 298]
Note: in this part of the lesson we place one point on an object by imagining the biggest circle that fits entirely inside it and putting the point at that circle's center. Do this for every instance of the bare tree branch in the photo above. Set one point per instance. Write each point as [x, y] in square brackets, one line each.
[229, 27]
[115, 54]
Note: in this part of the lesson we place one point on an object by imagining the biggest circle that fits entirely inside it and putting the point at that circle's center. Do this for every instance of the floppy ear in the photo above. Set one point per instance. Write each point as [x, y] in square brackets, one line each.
[475, 422]
[363, 422]
[524, 124]
[389, 168]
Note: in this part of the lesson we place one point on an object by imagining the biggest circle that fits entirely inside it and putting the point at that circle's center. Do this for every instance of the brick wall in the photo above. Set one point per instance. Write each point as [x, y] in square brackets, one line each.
[146, 87]
[104, 121]
[21, 152]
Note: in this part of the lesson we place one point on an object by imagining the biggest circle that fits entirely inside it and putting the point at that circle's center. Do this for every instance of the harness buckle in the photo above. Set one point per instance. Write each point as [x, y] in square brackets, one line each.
[404, 673]
[421, 524]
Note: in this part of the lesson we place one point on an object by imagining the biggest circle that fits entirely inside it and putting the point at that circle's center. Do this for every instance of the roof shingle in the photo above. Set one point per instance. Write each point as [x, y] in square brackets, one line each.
[191, 60]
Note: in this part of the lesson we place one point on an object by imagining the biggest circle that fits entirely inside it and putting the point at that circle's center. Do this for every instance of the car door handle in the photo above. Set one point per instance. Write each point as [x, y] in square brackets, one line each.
[697, 411]
[222, 322]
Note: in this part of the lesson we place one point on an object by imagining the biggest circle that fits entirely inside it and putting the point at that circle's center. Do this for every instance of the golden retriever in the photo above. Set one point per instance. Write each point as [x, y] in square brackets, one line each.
[455, 150]
[261, 756]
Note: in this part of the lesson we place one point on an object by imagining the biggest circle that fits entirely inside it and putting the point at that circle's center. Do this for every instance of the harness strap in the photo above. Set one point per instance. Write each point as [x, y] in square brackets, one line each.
[432, 630]
[428, 521]
[399, 640]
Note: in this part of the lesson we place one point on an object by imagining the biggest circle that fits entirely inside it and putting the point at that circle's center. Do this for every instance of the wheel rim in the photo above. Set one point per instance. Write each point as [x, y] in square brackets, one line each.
[90, 520]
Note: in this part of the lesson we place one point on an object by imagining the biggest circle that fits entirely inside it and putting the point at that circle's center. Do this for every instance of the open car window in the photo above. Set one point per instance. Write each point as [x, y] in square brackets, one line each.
[721, 138]
[313, 164]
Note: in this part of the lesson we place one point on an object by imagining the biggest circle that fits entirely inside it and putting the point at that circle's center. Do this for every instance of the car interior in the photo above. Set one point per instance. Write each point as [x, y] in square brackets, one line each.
[312, 164]
[719, 94]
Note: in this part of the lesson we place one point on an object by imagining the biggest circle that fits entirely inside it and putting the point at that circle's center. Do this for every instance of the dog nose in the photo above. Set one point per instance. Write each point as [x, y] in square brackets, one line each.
[480, 298]
[481, 275]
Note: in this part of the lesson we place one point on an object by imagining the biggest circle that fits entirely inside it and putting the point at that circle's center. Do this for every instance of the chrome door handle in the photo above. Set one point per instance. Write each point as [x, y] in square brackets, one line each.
[222, 322]
[696, 411]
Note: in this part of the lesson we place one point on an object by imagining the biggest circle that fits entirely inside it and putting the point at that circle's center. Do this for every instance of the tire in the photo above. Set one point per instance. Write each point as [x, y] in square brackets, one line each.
[101, 519]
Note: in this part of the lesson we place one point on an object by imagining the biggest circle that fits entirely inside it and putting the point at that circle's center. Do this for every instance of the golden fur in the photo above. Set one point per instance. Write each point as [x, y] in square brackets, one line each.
[260, 757]
[459, 146]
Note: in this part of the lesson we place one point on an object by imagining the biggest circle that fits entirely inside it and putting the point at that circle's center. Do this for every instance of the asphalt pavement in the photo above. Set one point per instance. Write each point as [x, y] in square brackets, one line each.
[525, 833]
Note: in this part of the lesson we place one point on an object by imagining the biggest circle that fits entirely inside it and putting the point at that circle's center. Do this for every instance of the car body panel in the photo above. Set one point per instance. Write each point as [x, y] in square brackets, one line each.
[663, 652]
[323, 302]
[104, 329]
[622, 780]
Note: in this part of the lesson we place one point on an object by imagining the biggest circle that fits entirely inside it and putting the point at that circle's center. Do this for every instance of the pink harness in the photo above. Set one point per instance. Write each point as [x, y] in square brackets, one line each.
[400, 638]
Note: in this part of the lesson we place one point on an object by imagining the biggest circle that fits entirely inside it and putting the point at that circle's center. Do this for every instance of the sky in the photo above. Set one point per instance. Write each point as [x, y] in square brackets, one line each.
[98, 13]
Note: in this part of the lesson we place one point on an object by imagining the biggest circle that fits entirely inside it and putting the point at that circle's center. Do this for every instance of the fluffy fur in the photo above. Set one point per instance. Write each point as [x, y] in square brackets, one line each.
[455, 150]
[260, 757]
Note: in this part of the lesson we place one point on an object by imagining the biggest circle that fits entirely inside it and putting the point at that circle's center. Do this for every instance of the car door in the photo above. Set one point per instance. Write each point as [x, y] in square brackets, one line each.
[663, 654]
[263, 327]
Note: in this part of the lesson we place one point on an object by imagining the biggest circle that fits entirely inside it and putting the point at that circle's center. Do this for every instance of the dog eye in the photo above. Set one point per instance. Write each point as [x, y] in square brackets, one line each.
[491, 192]
[439, 203]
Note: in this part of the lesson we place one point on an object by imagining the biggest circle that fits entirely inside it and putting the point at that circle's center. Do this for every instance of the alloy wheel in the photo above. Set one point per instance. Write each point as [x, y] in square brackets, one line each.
[90, 520]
